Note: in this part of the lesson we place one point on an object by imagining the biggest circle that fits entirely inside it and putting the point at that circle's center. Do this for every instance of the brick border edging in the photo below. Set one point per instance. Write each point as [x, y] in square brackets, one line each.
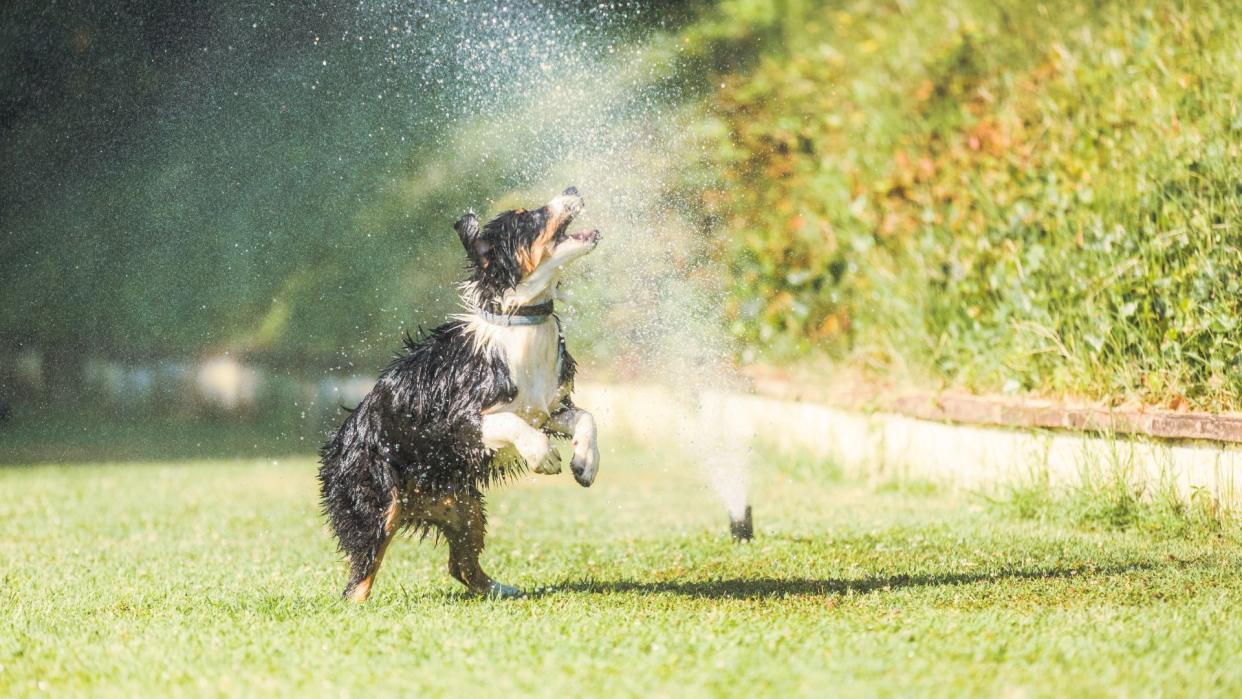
[1004, 412]
[990, 411]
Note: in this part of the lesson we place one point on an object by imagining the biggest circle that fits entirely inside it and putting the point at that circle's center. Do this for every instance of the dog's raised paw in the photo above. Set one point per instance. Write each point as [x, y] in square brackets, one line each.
[550, 464]
[585, 465]
[539, 454]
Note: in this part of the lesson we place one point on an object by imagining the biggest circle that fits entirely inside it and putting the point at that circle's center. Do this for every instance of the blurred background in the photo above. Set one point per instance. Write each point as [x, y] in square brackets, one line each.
[217, 219]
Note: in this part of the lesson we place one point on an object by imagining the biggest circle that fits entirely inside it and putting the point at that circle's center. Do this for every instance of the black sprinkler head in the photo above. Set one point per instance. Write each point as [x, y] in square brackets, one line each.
[742, 529]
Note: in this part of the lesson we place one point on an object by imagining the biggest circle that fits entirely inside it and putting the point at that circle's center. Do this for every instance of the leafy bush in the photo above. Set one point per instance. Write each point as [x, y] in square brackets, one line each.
[999, 196]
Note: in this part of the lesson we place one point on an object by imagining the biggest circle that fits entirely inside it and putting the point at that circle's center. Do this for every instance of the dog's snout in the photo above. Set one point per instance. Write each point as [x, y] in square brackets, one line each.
[568, 202]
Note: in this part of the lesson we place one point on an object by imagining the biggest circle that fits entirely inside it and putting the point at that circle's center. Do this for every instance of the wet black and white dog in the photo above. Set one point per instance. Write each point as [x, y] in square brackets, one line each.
[468, 404]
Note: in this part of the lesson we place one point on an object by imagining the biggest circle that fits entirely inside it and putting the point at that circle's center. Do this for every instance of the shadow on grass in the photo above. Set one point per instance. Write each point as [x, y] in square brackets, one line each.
[756, 588]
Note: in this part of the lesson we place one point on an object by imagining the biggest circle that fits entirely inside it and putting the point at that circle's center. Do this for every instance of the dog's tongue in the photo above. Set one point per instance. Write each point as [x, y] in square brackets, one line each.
[592, 235]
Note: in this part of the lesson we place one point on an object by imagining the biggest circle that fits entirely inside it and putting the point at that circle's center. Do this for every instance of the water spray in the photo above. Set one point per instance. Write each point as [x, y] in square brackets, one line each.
[616, 131]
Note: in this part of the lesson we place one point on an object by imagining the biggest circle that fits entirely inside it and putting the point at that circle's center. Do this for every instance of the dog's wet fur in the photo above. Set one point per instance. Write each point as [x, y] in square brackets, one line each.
[466, 405]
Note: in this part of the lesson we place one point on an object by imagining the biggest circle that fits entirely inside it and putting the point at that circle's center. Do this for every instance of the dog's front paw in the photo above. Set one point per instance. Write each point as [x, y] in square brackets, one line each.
[550, 464]
[585, 463]
[540, 456]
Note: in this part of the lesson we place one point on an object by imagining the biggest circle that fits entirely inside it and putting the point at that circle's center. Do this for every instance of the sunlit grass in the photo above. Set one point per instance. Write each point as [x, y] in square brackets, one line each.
[218, 578]
[1108, 495]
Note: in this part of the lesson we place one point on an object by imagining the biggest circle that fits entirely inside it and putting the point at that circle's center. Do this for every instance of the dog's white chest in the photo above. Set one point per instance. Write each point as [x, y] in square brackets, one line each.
[532, 354]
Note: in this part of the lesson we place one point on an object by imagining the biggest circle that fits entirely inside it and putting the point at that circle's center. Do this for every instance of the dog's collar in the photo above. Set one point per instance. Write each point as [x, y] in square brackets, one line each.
[522, 315]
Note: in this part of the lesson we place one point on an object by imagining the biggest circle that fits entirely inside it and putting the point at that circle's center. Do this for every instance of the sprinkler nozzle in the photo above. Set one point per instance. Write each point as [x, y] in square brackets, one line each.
[742, 528]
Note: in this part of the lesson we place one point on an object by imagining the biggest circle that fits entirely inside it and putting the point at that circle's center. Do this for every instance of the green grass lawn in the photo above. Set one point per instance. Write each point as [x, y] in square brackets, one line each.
[219, 578]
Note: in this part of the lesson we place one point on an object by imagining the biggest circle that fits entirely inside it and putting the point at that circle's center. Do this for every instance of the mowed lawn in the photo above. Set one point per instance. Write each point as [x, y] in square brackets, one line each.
[219, 578]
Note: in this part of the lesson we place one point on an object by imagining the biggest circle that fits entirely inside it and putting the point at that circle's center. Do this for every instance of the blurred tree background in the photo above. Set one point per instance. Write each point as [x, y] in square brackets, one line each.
[186, 177]
[996, 196]
[276, 184]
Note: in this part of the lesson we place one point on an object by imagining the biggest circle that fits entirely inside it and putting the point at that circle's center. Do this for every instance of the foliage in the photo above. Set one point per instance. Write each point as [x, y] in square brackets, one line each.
[1002, 196]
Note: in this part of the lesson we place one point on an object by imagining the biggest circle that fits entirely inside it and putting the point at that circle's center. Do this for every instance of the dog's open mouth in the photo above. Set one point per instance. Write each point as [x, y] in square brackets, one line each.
[591, 236]
[566, 208]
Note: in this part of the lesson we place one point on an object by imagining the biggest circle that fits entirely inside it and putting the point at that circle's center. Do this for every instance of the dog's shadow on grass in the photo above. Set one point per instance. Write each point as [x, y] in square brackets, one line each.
[756, 588]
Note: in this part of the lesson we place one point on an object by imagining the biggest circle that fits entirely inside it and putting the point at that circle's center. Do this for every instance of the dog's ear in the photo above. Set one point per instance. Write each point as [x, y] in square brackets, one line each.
[467, 228]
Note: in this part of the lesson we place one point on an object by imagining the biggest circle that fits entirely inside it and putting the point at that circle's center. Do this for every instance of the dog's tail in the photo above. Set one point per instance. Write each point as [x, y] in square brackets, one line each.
[355, 486]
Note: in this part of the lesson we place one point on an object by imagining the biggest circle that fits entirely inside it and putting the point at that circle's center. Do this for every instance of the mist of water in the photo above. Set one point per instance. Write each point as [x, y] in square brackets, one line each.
[544, 99]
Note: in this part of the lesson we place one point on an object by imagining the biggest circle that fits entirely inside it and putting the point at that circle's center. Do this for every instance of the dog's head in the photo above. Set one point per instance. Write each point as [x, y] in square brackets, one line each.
[516, 259]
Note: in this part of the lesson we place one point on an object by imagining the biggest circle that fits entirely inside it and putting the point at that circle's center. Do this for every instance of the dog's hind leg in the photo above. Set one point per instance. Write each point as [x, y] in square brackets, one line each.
[365, 560]
[463, 522]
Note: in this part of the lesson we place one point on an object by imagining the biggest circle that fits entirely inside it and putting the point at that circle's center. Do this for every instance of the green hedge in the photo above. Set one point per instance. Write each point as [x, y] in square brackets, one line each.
[1001, 196]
